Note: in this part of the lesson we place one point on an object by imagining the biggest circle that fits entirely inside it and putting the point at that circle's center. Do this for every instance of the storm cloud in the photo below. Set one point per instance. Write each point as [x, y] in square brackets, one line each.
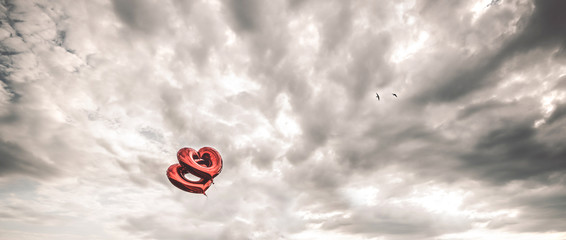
[96, 97]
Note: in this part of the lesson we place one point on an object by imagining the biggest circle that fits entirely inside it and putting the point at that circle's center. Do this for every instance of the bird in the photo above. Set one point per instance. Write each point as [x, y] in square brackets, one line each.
[377, 96]
[394, 94]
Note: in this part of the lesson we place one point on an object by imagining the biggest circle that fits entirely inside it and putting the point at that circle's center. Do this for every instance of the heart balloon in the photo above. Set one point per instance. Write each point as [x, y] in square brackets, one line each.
[176, 174]
[206, 163]
[210, 161]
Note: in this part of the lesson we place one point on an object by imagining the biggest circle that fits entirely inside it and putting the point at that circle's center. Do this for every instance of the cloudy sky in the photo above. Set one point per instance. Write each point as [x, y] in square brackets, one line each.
[97, 97]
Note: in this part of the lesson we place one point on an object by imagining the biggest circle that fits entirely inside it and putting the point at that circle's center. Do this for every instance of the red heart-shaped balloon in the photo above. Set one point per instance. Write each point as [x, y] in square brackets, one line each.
[210, 161]
[176, 174]
[206, 164]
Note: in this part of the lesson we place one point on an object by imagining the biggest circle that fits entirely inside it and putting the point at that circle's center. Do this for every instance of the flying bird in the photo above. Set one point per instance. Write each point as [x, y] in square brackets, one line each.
[377, 96]
[394, 94]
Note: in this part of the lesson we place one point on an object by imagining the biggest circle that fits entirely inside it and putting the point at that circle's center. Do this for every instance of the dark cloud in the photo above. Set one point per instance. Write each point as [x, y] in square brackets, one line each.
[543, 208]
[558, 114]
[246, 14]
[143, 16]
[514, 151]
[9, 88]
[545, 29]
[8, 52]
[15, 160]
[535, 207]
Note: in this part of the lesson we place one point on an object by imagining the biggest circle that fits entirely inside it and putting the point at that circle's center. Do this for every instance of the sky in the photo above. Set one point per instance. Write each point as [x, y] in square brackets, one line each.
[98, 96]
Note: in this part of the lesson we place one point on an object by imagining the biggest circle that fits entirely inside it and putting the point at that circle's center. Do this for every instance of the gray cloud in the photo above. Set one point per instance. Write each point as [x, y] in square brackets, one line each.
[97, 98]
[558, 114]
[16, 160]
[514, 152]
[336, 24]
[398, 223]
[143, 16]
[543, 30]
[245, 14]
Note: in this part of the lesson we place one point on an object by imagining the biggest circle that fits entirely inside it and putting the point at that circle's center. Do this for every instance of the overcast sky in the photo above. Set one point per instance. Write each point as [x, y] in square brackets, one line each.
[97, 97]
